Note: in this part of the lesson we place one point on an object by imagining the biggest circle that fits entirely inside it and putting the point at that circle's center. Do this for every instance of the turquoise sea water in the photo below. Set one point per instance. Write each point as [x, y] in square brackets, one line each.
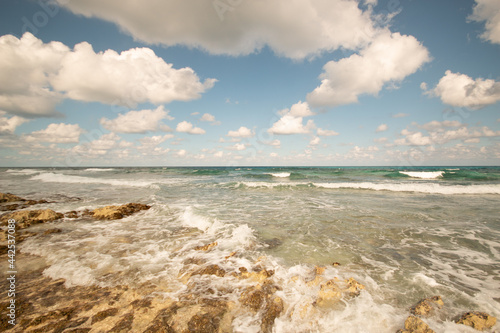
[405, 233]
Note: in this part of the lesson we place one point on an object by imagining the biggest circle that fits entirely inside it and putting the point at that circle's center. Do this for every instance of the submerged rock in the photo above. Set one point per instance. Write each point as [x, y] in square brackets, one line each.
[13, 202]
[477, 320]
[426, 306]
[118, 212]
[25, 218]
[415, 325]
[206, 247]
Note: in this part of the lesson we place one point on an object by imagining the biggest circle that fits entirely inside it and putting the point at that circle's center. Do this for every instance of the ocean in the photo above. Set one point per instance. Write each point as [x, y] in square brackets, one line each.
[404, 233]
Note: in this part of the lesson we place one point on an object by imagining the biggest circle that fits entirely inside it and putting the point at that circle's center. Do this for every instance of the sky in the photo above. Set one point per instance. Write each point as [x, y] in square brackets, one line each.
[249, 83]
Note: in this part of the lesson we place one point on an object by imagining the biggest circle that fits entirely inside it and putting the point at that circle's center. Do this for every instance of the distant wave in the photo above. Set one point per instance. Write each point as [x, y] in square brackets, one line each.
[279, 174]
[98, 169]
[24, 171]
[423, 174]
[430, 188]
[60, 178]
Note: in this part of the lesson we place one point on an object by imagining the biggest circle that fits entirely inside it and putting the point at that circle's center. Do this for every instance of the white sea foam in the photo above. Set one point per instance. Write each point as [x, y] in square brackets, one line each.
[98, 169]
[423, 174]
[430, 188]
[279, 174]
[61, 178]
[23, 171]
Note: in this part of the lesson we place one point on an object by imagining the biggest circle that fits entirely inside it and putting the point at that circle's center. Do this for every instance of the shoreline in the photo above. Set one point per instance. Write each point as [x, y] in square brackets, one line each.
[205, 304]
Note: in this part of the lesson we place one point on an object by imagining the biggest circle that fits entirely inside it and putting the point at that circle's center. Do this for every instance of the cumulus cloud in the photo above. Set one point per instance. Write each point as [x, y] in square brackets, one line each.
[237, 146]
[127, 78]
[382, 128]
[48, 72]
[9, 124]
[31, 63]
[322, 132]
[444, 132]
[294, 29]
[57, 133]
[291, 121]
[315, 141]
[187, 127]
[209, 118]
[242, 132]
[388, 59]
[460, 90]
[138, 121]
[488, 11]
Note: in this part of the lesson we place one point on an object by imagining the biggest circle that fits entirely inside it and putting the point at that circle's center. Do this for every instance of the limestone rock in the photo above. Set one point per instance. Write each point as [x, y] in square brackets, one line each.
[13, 202]
[273, 309]
[353, 287]
[426, 306]
[478, 320]
[206, 247]
[329, 293]
[211, 270]
[415, 325]
[8, 197]
[118, 212]
[25, 218]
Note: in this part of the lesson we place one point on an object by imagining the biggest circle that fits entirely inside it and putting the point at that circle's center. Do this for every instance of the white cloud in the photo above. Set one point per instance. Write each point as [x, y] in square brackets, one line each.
[57, 133]
[294, 29]
[322, 132]
[182, 153]
[388, 59]
[47, 73]
[436, 125]
[315, 141]
[127, 78]
[242, 132]
[187, 127]
[219, 154]
[31, 63]
[291, 120]
[414, 139]
[460, 90]
[9, 124]
[210, 118]
[382, 128]
[438, 133]
[300, 109]
[138, 121]
[401, 115]
[489, 11]
[237, 146]
[154, 140]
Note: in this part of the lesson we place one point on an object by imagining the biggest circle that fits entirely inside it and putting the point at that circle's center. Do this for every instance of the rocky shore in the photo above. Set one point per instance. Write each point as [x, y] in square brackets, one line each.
[47, 305]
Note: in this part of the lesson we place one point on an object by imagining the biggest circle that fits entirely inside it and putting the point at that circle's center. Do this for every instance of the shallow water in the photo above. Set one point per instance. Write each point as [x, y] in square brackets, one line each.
[404, 234]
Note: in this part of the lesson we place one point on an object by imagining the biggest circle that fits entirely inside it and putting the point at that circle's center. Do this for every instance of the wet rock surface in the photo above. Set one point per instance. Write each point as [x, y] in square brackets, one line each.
[26, 218]
[9, 202]
[118, 212]
[477, 320]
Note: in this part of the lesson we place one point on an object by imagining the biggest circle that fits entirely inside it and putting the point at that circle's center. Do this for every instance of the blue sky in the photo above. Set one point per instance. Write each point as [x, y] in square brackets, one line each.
[239, 82]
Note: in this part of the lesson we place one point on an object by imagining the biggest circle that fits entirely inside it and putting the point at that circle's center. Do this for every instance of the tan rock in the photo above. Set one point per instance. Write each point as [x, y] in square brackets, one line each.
[211, 270]
[477, 320]
[426, 306]
[415, 325]
[353, 287]
[8, 197]
[273, 309]
[25, 218]
[206, 247]
[329, 294]
[118, 212]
